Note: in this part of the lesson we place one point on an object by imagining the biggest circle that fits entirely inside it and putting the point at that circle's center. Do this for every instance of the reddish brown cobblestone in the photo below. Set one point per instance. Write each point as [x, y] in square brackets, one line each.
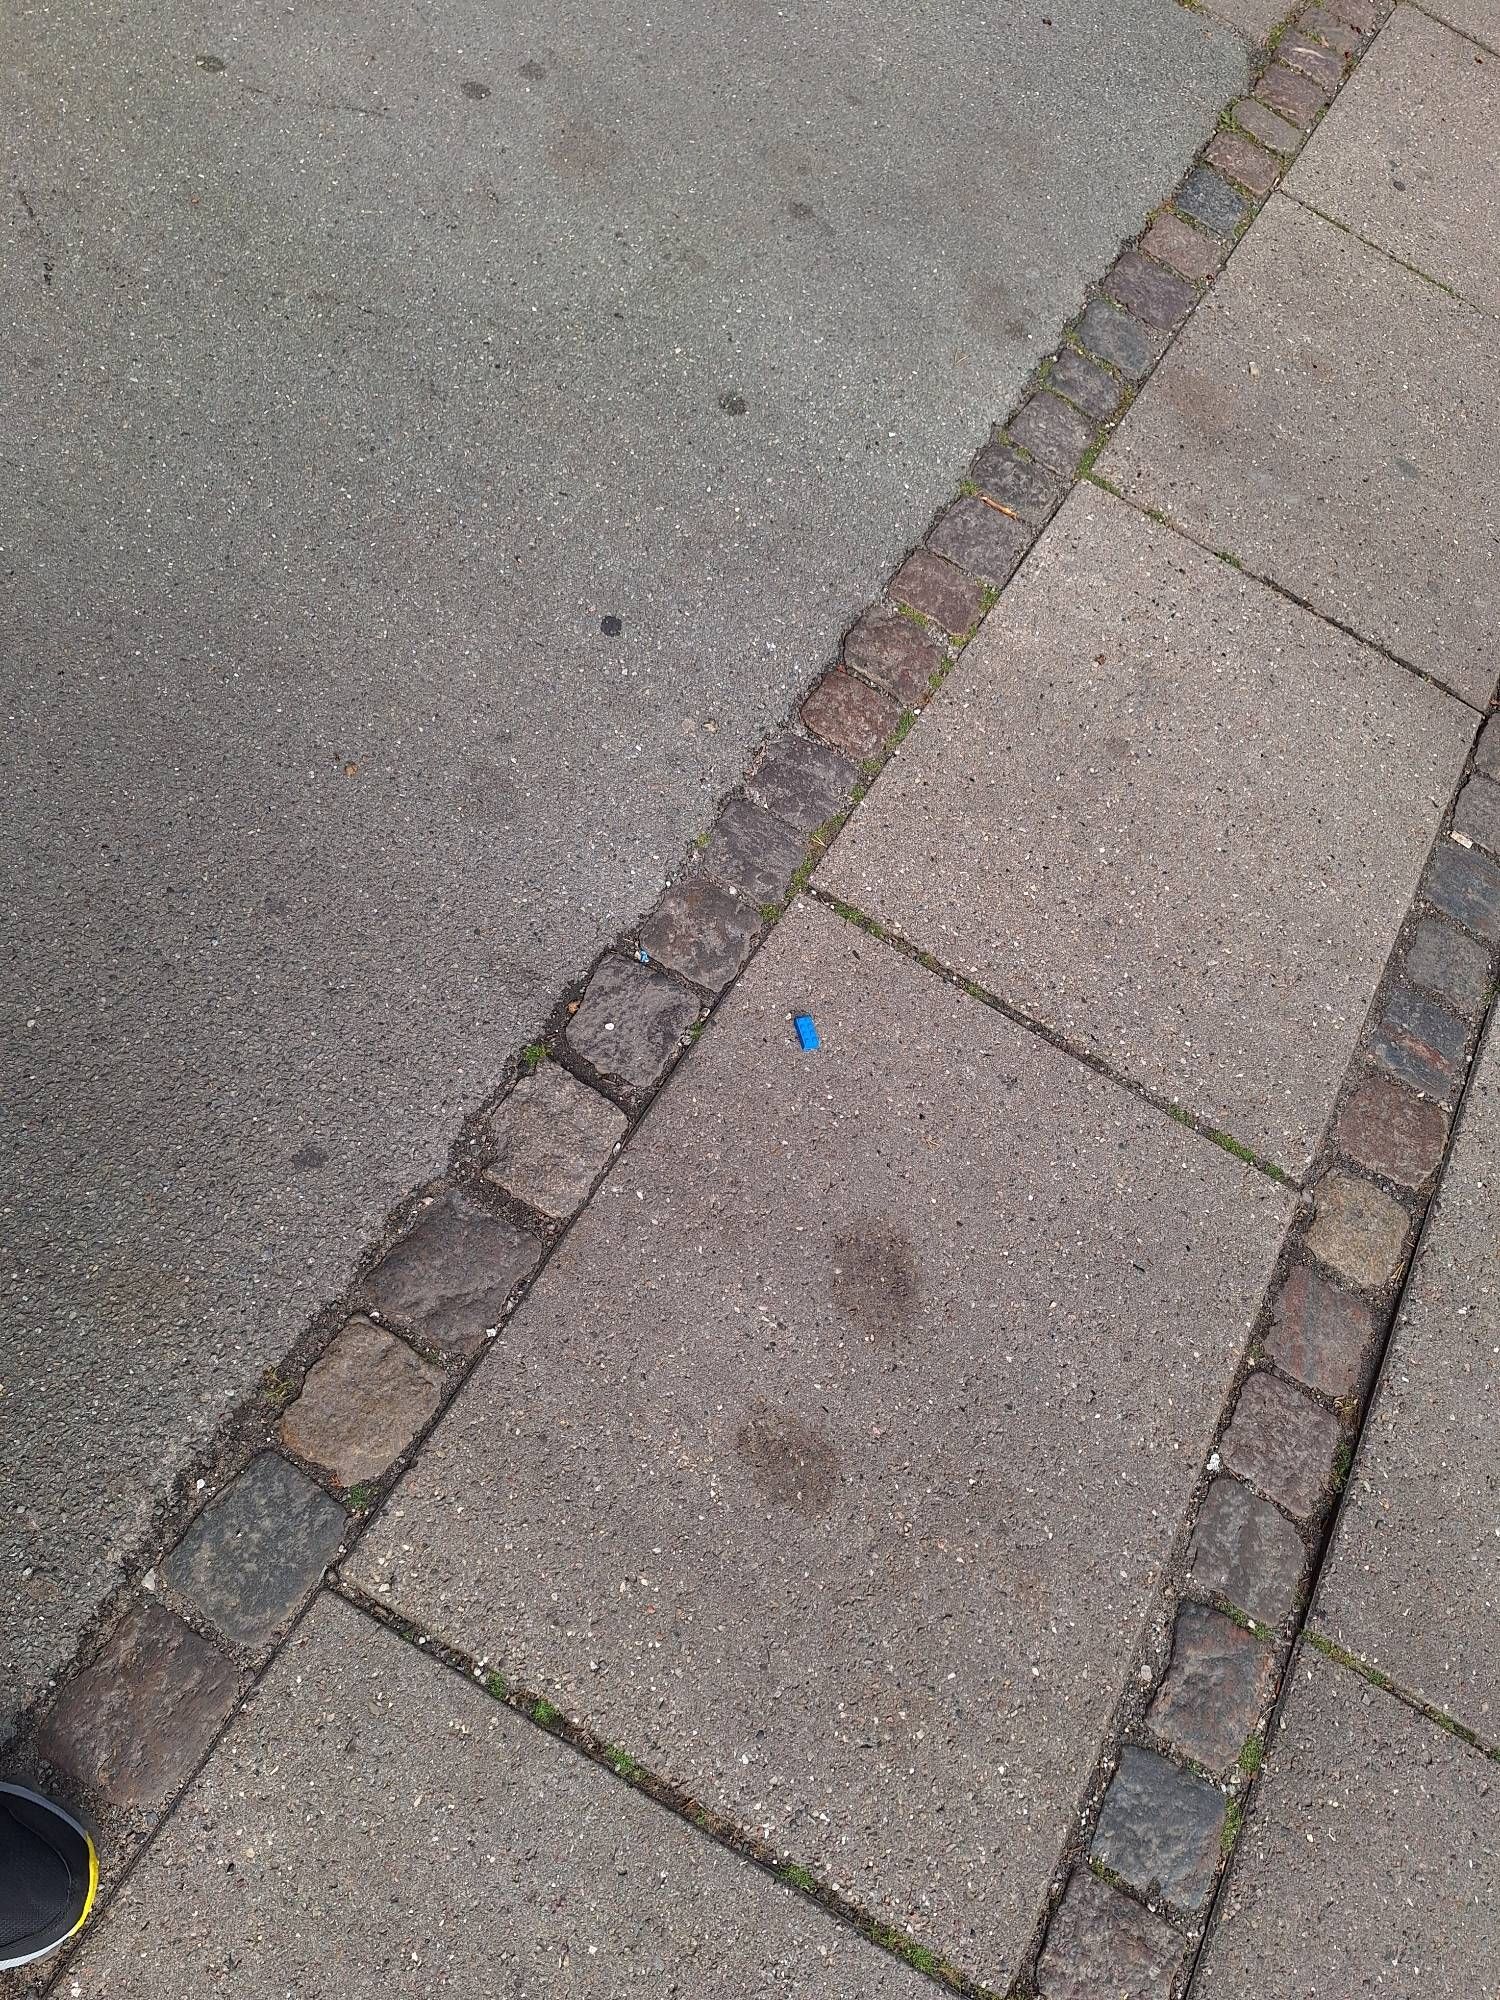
[1017, 482]
[1296, 97]
[981, 538]
[895, 653]
[1358, 1230]
[1243, 161]
[939, 591]
[852, 716]
[1216, 1689]
[1052, 431]
[1189, 251]
[1152, 293]
[1102, 1943]
[1266, 125]
[1323, 1335]
[132, 1726]
[1390, 1131]
[1084, 382]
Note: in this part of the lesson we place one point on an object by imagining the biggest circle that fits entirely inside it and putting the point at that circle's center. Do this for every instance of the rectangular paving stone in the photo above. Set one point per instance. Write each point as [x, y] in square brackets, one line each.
[852, 716]
[1478, 18]
[1367, 1864]
[1153, 294]
[1243, 1549]
[938, 590]
[1167, 813]
[374, 1825]
[362, 1404]
[1159, 1829]
[981, 538]
[1283, 1444]
[1420, 1043]
[1395, 157]
[1119, 338]
[449, 1278]
[257, 1550]
[132, 1726]
[1101, 1943]
[1322, 1334]
[1207, 198]
[1413, 1582]
[1217, 1688]
[1391, 1131]
[1017, 482]
[895, 653]
[1262, 123]
[803, 781]
[1189, 251]
[1085, 383]
[701, 930]
[753, 852]
[1358, 1230]
[631, 1022]
[1453, 967]
[553, 1137]
[1292, 95]
[1052, 431]
[833, 1463]
[1477, 814]
[1465, 886]
[1331, 421]
[1242, 161]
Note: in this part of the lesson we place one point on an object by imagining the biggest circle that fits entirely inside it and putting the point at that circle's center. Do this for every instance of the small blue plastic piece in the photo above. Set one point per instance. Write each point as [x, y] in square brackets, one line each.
[807, 1033]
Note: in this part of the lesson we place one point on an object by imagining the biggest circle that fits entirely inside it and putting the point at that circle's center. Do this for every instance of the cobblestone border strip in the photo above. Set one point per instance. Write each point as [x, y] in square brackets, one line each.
[288, 1485]
[1166, 1809]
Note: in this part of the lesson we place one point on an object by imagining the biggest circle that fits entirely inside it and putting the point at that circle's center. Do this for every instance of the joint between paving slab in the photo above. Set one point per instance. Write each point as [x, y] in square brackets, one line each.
[554, 1721]
[1375, 1677]
[1055, 1037]
[1382, 250]
[1166, 520]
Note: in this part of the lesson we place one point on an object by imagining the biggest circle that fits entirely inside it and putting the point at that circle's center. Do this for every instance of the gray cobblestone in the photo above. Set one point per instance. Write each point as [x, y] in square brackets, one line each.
[257, 1550]
[1247, 1552]
[1283, 1443]
[631, 1022]
[449, 1278]
[553, 1137]
[1160, 1829]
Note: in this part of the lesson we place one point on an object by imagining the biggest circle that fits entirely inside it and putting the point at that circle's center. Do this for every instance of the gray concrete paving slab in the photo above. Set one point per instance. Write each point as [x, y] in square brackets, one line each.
[831, 1465]
[372, 1825]
[1367, 1866]
[1169, 814]
[1329, 419]
[1395, 159]
[363, 362]
[1479, 18]
[1413, 1581]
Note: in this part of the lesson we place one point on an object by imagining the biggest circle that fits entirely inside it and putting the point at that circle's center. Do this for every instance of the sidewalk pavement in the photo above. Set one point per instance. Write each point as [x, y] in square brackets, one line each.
[910, 1472]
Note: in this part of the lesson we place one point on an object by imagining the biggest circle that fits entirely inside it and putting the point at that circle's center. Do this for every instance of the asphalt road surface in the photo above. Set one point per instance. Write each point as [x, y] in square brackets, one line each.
[358, 363]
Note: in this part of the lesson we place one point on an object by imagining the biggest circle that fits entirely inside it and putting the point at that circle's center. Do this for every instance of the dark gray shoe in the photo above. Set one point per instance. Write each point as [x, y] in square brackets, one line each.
[48, 1874]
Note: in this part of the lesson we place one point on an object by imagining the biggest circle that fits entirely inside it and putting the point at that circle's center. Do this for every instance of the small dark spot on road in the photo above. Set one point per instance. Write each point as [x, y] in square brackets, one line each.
[275, 906]
[477, 91]
[791, 1462]
[611, 626]
[801, 211]
[532, 71]
[213, 64]
[875, 1278]
[733, 404]
[309, 1156]
[1405, 465]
